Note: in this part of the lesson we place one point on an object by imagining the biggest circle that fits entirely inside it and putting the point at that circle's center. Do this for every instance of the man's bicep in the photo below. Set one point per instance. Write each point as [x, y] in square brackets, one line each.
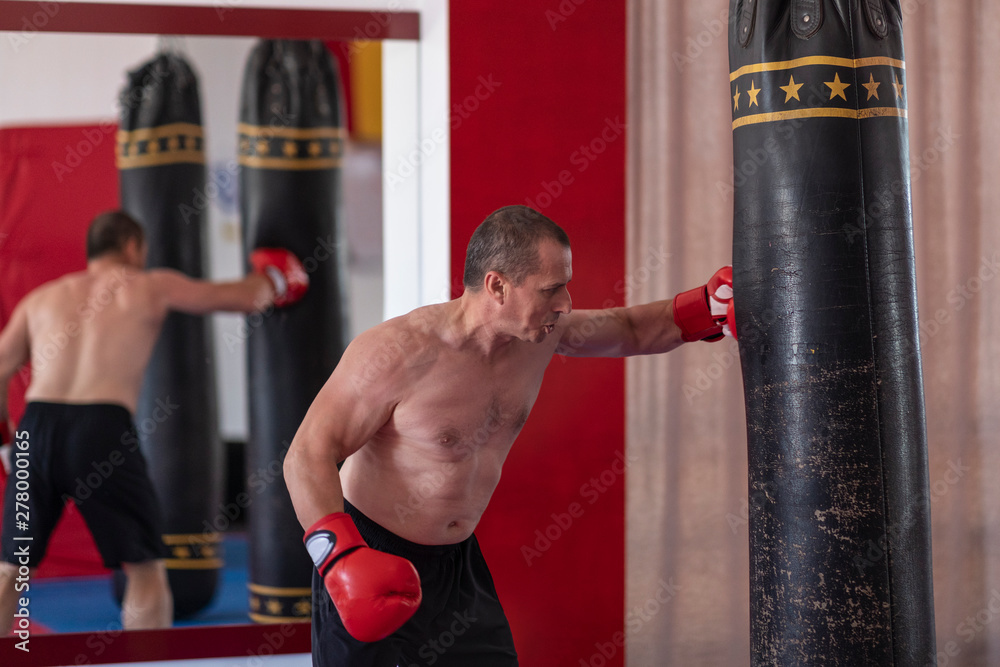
[182, 293]
[350, 408]
[597, 333]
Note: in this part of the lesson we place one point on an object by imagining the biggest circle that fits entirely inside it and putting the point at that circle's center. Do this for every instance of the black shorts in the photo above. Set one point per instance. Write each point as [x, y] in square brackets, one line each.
[460, 621]
[78, 452]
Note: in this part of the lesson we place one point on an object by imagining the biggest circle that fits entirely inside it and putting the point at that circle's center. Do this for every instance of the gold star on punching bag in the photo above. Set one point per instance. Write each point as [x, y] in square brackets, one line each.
[753, 92]
[899, 88]
[872, 87]
[792, 90]
[274, 607]
[837, 88]
[290, 149]
[736, 99]
[315, 148]
[302, 608]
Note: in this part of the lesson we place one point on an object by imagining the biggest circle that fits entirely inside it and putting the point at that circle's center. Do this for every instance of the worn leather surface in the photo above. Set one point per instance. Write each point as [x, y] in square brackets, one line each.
[163, 186]
[826, 308]
[289, 190]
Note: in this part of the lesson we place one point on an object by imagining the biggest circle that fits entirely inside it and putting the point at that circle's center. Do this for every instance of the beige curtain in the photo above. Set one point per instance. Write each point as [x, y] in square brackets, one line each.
[687, 597]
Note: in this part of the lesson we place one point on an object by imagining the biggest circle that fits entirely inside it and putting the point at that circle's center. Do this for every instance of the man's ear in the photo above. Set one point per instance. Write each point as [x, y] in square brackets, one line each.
[496, 286]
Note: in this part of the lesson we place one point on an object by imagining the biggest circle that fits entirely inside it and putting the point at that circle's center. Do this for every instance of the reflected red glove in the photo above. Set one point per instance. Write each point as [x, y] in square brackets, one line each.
[707, 312]
[284, 270]
[374, 592]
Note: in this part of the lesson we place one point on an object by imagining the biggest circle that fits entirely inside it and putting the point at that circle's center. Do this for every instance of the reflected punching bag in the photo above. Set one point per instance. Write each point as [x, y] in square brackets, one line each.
[290, 148]
[825, 293]
[161, 163]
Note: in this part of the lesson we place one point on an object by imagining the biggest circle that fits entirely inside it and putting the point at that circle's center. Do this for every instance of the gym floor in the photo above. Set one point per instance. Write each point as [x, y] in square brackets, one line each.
[51, 608]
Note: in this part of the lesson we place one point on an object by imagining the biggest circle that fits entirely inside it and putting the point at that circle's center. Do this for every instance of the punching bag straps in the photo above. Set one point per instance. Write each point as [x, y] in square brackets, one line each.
[745, 28]
[807, 17]
[875, 13]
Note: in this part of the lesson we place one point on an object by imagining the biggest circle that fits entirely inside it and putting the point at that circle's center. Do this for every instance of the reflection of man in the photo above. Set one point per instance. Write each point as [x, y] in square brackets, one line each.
[427, 406]
[104, 322]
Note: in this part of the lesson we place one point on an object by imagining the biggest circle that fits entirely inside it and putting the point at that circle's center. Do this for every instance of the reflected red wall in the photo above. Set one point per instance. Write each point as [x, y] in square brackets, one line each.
[538, 111]
[53, 181]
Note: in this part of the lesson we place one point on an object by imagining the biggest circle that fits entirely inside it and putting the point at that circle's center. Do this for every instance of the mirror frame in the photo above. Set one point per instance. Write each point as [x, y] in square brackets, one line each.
[416, 217]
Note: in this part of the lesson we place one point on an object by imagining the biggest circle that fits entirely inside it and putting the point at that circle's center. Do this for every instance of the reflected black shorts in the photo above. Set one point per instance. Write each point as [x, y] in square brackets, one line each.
[460, 621]
[79, 453]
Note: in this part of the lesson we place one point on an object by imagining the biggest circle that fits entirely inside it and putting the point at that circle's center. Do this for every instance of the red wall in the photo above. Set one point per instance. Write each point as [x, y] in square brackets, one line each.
[538, 97]
[53, 180]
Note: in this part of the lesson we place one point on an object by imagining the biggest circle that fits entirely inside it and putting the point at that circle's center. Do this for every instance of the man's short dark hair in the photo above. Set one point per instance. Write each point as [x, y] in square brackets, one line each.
[507, 242]
[110, 231]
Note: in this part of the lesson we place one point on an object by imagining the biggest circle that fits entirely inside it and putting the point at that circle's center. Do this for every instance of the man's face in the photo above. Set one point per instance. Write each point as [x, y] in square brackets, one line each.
[543, 296]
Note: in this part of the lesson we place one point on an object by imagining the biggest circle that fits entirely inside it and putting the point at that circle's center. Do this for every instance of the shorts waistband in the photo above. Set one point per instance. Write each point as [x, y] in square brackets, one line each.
[382, 539]
[54, 405]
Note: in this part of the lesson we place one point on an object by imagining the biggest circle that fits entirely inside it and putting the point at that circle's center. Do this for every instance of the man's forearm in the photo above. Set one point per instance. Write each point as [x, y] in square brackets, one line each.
[315, 490]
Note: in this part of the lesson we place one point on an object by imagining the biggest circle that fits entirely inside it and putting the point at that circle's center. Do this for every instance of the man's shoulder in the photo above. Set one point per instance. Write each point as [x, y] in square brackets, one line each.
[411, 341]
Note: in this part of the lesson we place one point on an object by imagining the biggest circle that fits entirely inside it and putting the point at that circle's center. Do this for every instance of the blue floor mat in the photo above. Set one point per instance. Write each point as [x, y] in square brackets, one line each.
[86, 604]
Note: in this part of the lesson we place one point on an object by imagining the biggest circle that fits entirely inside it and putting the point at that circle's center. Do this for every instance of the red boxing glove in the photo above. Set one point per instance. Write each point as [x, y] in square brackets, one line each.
[706, 312]
[374, 592]
[284, 270]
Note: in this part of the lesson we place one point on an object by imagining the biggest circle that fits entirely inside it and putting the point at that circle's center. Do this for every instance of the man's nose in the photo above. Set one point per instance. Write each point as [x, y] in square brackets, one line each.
[565, 304]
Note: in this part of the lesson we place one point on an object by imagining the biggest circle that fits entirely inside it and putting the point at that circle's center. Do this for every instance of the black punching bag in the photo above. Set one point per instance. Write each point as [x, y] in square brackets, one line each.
[290, 147]
[826, 310]
[161, 162]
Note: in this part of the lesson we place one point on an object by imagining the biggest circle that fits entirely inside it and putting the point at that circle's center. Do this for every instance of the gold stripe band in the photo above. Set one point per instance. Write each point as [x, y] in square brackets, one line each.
[291, 132]
[260, 618]
[160, 131]
[171, 157]
[192, 538]
[276, 590]
[831, 112]
[193, 564]
[288, 163]
[816, 60]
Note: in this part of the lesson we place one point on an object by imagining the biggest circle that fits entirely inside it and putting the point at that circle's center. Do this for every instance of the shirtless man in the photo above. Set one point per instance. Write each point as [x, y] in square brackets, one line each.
[427, 406]
[104, 322]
